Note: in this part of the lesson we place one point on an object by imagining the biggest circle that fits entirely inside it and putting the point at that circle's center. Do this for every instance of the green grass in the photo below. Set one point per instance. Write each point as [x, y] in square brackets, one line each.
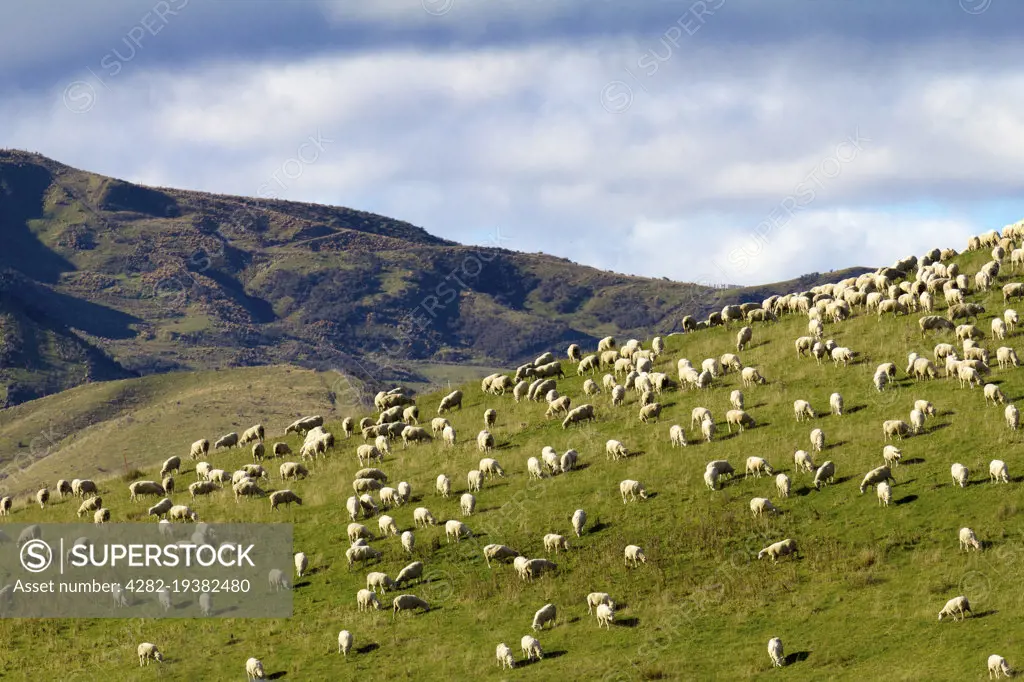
[860, 602]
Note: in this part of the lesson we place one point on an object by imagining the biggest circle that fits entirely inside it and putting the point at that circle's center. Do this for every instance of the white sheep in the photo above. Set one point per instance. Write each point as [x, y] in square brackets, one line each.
[467, 504]
[533, 468]
[835, 401]
[615, 450]
[367, 598]
[408, 541]
[422, 517]
[778, 549]
[147, 651]
[531, 648]
[707, 428]
[757, 466]
[775, 652]
[301, 564]
[803, 461]
[545, 615]
[387, 525]
[957, 606]
[490, 467]
[802, 410]
[892, 455]
[825, 474]
[633, 489]
[455, 529]
[677, 436]
[635, 556]
[884, 492]
[579, 520]
[553, 541]
[413, 571]
[568, 460]
[997, 665]
[254, 669]
[1012, 416]
[605, 615]
[276, 580]
[504, 655]
[993, 393]
[760, 505]
[443, 485]
[968, 539]
[484, 441]
[595, 599]
[997, 472]
[875, 476]
[344, 642]
[475, 480]
[817, 440]
[376, 579]
[782, 484]
[960, 474]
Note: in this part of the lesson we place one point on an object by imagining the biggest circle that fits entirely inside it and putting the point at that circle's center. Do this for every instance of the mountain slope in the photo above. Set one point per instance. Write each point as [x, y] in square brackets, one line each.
[162, 279]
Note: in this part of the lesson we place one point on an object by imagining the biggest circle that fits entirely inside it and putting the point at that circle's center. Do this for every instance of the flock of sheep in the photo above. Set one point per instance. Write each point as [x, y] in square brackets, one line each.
[911, 285]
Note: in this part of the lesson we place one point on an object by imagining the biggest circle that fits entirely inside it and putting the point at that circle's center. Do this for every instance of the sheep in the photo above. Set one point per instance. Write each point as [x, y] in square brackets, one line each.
[228, 440]
[607, 343]
[782, 484]
[892, 455]
[467, 503]
[957, 606]
[386, 525]
[802, 410]
[648, 412]
[247, 488]
[304, 425]
[199, 448]
[475, 480]
[743, 337]
[825, 474]
[615, 450]
[993, 393]
[711, 478]
[94, 503]
[376, 579]
[917, 420]
[415, 434]
[757, 465]
[875, 476]
[443, 485]
[292, 470]
[83, 487]
[531, 648]
[835, 402]
[618, 395]
[1006, 356]
[551, 460]
[140, 488]
[5, 505]
[968, 540]
[361, 553]
[605, 615]
[43, 496]
[553, 541]
[775, 652]
[545, 615]
[1012, 416]
[760, 505]
[698, 415]
[499, 553]
[677, 436]
[579, 520]
[279, 497]
[484, 441]
[739, 418]
[147, 651]
[595, 599]
[997, 471]
[960, 474]
[159, 509]
[367, 505]
[449, 402]
[634, 556]
[362, 485]
[778, 549]
[803, 461]
[707, 428]
[633, 489]
[503, 652]
[997, 665]
[579, 414]
[817, 440]
[455, 529]
[895, 428]
[407, 602]
[490, 467]
[568, 460]
[253, 669]
[180, 512]
[367, 598]
[841, 354]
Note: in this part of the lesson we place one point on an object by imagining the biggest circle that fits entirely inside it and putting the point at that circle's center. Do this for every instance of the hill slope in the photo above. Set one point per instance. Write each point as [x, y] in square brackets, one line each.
[860, 601]
[159, 279]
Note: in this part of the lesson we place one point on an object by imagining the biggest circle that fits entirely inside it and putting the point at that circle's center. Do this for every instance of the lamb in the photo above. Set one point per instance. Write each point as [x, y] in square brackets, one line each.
[757, 465]
[490, 467]
[677, 436]
[760, 505]
[499, 553]
[615, 450]
[279, 497]
[1012, 416]
[228, 440]
[198, 449]
[531, 648]
[775, 652]
[875, 476]
[579, 520]
[825, 473]
[778, 549]
[407, 602]
[503, 652]
[835, 402]
[545, 615]
[699, 415]
[968, 540]
[817, 440]
[633, 489]
[993, 393]
[635, 556]
[802, 410]
[253, 669]
[957, 606]
[449, 402]
[361, 553]
[147, 651]
[386, 525]
[740, 418]
[960, 474]
[467, 503]
[997, 665]
[595, 599]
[895, 428]
[892, 455]
[605, 615]
[553, 541]
[443, 485]
[455, 529]
[997, 472]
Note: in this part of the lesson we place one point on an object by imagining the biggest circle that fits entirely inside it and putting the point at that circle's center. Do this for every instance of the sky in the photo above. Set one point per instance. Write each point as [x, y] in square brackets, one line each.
[716, 141]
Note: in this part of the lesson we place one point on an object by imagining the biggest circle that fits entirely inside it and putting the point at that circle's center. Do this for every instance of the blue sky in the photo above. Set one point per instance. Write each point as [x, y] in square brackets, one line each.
[735, 141]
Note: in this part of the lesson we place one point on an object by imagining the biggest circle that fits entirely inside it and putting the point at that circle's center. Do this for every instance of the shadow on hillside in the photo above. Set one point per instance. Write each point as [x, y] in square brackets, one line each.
[984, 614]
[833, 446]
[555, 654]
[913, 460]
[754, 407]
[906, 499]
[304, 583]
[844, 479]
[937, 427]
[277, 675]
[314, 571]
[221, 612]
[630, 622]
[727, 436]
[650, 496]
[803, 491]
[372, 646]
[600, 526]
[855, 409]
[797, 657]
[636, 453]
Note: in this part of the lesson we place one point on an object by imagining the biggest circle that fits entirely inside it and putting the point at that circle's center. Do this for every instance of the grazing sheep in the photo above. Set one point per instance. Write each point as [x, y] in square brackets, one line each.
[413, 571]
[140, 488]
[228, 440]
[968, 540]
[533, 468]
[467, 503]
[376, 579]
[817, 440]
[825, 474]
[367, 505]
[802, 410]
[301, 564]
[253, 669]
[361, 553]
[957, 606]
[884, 492]
[635, 556]
[775, 652]
[545, 615]
[699, 415]
[740, 419]
[757, 466]
[503, 652]
[633, 489]
[83, 487]
[455, 529]
[1006, 357]
[531, 648]
[101, 516]
[615, 450]
[198, 449]
[293, 470]
[387, 525]
[743, 337]
[1012, 416]
[367, 598]
[782, 484]
[551, 460]
[180, 512]
[677, 436]
[605, 615]
[43, 496]
[778, 549]
[875, 476]
[993, 393]
[997, 472]
[917, 420]
[499, 553]
[618, 395]
[553, 541]
[760, 505]
[892, 455]
[64, 488]
[475, 480]
[171, 464]
[443, 485]
[803, 461]
[651, 411]
[895, 427]
[568, 460]
[490, 467]
[407, 602]
[707, 428]
[159, 509]
[579, 520]
[484, 441]
[148, 651]
[449, 402]
[279, 497]
[579, 414]
[960, 474]
[997, 665]
[595, 599]
[835, 401]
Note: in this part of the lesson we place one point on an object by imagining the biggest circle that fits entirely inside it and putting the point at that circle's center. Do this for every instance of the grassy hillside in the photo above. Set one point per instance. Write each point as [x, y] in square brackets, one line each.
[859, 602]
[102, 279]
